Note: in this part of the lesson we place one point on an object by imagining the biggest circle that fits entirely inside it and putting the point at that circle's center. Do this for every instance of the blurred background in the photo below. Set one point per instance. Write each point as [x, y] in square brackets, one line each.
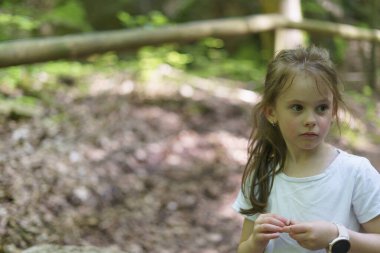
[142, 149]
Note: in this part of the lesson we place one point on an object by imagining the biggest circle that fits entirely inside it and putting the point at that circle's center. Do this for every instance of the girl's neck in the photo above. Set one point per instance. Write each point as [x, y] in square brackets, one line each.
[309, 163]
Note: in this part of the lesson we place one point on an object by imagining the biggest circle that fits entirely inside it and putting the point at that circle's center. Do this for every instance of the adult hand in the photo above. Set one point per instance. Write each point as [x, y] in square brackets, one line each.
[312, 235]
[267, 226]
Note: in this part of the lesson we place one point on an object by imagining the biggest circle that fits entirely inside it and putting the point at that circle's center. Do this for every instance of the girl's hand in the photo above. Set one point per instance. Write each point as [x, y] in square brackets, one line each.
[312, 235]
[267, 226]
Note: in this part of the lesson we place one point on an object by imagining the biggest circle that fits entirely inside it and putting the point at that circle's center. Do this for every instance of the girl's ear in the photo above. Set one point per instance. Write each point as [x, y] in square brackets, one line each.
[270, 114]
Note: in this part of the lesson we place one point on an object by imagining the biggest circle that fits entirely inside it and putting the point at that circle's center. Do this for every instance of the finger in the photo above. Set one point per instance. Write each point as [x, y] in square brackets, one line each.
[268, 237]
[288, 224]
[267, 228]
[282, 221]
[299, 237]
[280, 218]
[298, 228]
[286, 229]
[273, 221]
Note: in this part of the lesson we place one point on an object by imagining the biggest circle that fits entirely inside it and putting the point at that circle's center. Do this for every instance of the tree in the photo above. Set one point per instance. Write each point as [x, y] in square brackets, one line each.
[274, 41]
[372, 77]
[289, 38]
[267, 38]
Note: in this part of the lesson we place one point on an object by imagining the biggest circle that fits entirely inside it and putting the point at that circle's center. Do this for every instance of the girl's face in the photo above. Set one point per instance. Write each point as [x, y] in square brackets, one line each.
[303, 112]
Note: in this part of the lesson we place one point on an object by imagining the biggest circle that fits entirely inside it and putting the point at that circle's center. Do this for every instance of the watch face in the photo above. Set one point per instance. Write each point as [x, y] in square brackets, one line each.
[341, 246]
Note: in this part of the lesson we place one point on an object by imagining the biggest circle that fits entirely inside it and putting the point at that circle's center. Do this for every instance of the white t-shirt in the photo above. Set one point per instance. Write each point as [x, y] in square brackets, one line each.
[347, 192]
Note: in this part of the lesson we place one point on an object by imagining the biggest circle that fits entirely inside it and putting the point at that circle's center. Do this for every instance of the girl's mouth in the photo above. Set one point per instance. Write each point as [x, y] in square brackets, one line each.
[309, 134]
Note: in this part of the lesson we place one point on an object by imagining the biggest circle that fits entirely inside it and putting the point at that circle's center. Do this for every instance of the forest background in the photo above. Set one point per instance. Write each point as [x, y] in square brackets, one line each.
[142, 150]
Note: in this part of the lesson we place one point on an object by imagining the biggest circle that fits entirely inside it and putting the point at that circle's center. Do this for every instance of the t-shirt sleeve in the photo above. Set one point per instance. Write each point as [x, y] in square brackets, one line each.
[366, 195]
[242, 202]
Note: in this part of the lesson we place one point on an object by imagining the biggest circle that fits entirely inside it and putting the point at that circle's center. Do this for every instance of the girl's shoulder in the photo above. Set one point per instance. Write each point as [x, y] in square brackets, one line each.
[354, 163]
[352, 159]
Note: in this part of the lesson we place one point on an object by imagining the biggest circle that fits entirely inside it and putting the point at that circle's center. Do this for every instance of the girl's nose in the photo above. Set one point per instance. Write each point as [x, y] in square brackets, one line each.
[310, 120]
[310, 123]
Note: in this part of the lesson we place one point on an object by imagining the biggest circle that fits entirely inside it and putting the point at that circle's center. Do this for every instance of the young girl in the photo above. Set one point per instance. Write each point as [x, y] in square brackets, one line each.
[299, 193]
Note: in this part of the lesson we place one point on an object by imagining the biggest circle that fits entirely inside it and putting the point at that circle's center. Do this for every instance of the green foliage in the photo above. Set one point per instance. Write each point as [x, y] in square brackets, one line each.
[207, 58]
[150, 58]
[23, 19]
[72, 68]
[152, 19]
[357, 122]
[70, 15]
[10, 77]
[16, 26]
[312, 9]
[20, 107]
[16, 100]
[211, 58]
[105, 62]
[352, 136]
[21, 22]
[340, 46]
[366, 99]
[38, 81]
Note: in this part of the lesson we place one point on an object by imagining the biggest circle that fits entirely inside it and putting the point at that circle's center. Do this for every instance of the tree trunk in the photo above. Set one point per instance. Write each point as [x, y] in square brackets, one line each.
[289, 38]
[372, 75]
[267, 38]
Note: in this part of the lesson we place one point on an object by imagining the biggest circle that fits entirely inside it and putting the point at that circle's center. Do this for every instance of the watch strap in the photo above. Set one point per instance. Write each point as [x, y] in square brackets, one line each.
[343, 232]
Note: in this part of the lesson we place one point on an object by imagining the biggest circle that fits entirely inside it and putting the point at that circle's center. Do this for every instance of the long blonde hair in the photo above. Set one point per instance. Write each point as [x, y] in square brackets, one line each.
[267, 148]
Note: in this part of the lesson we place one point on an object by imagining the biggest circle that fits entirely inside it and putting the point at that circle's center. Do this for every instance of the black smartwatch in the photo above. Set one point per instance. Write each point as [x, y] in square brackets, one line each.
[341, 244]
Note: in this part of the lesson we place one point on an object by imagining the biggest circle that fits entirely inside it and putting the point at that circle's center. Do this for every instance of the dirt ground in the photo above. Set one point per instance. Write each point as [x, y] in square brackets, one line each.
[140, 173]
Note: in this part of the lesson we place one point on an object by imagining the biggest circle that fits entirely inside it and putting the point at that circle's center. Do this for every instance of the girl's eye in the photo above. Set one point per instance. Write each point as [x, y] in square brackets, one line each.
[323, 108]
[296, 108]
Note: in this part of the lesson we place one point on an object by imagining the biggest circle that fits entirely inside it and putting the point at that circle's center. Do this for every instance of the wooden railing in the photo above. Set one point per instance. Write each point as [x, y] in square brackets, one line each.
[27, 51]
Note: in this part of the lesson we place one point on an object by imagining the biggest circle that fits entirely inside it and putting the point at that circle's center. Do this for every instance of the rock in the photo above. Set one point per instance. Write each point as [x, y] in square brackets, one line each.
[50, 248]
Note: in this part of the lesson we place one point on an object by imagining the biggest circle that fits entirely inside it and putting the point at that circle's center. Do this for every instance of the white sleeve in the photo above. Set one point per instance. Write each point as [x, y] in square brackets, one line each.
[243, 203]
[366, 195]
